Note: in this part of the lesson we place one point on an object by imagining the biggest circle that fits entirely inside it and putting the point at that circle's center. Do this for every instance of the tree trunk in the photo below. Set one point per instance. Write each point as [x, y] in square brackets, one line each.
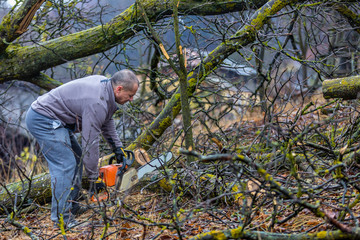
[184, 98]
[346, 88]
[15, 24]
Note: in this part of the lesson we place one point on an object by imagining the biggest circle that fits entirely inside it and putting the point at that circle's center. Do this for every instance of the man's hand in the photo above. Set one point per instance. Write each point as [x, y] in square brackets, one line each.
[97, 190]
[119, 154]
[96, 186]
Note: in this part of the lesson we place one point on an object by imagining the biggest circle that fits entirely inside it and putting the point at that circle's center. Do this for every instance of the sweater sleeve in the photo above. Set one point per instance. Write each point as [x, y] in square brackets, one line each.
[92, 120]
[109, 133]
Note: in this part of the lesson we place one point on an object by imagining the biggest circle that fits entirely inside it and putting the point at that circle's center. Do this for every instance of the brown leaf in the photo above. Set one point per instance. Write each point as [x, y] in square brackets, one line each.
[165, 237]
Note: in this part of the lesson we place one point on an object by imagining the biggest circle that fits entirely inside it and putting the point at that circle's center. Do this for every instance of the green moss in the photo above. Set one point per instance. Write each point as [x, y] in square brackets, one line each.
[192, 81]
[237, 233]
[262, 171]
[26, 230]
[208, 66]
[321, 234]
[165, 123]
[215, 234]
[106, 227]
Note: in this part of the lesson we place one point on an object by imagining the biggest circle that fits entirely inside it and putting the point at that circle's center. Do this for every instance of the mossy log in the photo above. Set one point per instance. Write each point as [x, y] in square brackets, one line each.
[36, 190]
[346, 88]
[240, 233]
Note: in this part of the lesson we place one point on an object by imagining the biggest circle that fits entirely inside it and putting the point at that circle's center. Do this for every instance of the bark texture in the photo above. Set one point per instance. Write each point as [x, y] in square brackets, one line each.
[346, 88]
[15, 24]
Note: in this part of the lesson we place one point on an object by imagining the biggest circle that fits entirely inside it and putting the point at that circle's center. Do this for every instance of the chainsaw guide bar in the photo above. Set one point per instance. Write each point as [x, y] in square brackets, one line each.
[132, 176]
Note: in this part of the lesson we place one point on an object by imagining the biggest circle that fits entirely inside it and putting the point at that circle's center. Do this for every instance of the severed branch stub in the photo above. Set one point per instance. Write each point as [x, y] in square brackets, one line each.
[28, 17]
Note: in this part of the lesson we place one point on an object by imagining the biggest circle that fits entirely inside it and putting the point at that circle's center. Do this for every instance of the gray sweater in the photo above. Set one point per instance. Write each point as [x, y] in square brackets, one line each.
[88, 105]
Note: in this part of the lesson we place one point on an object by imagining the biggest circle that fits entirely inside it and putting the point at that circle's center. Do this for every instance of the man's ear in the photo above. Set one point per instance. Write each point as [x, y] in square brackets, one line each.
[118, 88]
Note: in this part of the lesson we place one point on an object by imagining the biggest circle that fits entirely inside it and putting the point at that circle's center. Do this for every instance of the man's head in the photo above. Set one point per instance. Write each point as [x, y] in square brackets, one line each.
[125, 84]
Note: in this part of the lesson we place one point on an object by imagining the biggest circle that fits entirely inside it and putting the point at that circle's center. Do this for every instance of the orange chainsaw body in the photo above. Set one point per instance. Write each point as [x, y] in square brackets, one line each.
[108, 174]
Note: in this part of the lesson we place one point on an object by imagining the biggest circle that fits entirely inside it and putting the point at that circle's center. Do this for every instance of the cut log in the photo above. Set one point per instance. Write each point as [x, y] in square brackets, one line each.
[346, 88]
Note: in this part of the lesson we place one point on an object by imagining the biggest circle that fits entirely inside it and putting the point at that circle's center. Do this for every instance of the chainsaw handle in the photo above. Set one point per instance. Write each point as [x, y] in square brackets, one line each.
[128, 161]
[131, 157]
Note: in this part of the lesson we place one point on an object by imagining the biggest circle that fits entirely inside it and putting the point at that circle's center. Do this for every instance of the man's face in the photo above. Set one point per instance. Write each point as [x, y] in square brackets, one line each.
[122, 96]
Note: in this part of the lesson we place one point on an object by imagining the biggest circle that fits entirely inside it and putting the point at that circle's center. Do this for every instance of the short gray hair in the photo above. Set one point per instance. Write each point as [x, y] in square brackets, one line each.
[125, 78]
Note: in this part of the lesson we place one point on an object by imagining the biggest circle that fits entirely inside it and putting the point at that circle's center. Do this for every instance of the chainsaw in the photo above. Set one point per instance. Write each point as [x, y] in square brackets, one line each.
[123, 177]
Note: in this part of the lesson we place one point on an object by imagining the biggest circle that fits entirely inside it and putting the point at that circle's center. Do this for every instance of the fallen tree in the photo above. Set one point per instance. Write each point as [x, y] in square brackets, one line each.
[26, 62]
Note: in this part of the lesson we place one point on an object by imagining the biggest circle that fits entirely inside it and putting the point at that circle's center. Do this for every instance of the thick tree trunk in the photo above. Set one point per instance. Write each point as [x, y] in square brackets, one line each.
[15, 24]
[346, 88]
[24, 63]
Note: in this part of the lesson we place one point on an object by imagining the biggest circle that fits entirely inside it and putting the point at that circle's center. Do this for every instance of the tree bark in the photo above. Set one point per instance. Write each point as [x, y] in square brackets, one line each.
[346, 88]
[184, 98]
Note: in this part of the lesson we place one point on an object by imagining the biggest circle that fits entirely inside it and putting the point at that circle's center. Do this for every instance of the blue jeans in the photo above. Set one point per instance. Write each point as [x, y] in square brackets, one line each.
[63, 154]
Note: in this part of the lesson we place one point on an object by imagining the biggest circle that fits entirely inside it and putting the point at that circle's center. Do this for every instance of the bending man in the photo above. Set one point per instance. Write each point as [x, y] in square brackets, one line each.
[85, 105]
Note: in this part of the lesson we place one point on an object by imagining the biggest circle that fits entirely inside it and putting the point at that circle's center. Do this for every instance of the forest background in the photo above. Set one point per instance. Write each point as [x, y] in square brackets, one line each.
[265, 144]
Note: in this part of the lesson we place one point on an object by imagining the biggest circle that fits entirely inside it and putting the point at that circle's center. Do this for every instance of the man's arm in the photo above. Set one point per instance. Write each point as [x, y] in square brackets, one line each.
[109, 133]
[92, 120]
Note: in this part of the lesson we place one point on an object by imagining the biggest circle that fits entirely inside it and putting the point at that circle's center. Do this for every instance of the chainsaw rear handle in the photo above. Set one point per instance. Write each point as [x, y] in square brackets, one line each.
[127, 161]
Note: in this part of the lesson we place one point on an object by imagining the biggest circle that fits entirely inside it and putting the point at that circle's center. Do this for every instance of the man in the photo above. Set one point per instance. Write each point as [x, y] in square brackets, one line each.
[85, 105]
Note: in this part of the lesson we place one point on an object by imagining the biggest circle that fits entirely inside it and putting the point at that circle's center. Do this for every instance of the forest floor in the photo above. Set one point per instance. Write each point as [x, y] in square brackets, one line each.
[148, 215]
[153, 212]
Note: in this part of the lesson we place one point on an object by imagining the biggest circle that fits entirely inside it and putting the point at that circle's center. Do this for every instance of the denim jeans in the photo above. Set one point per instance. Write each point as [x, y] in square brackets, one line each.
[63, 154]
